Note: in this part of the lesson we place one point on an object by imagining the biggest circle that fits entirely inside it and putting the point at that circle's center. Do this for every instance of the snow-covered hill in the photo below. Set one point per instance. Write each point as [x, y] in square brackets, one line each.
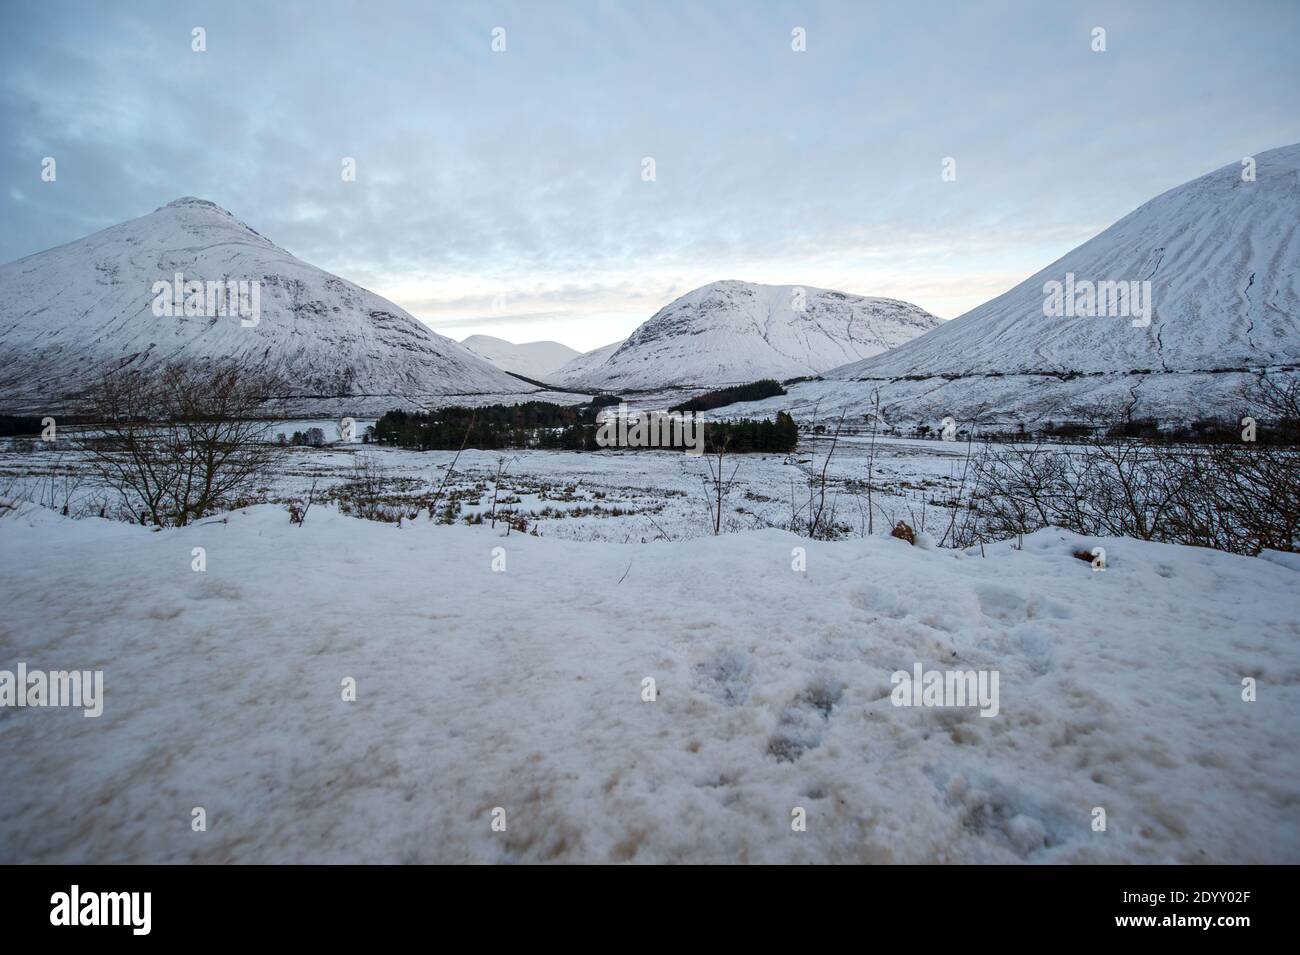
[535, 360]
[69, 313]
[578, 368]
[734, 332]
[1222, 256]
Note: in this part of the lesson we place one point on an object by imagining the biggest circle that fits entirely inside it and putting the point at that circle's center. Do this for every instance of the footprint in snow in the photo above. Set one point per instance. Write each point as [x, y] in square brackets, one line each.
[804, 721]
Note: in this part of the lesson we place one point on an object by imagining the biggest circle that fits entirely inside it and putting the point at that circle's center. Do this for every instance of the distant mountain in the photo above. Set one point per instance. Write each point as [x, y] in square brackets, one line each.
[1222, 256]
[733, 332]
[535, 360]
[69, 313]
[578, 367]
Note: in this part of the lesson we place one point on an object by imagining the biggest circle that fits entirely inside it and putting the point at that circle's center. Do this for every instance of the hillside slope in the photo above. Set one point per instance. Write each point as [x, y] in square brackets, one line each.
[734, 332]
[70, 313]
[536, 360]
[1222, 257]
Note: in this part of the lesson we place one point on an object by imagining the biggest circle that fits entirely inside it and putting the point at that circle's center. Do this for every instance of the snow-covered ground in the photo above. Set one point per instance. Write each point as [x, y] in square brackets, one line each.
[614, 496]
[521, 688]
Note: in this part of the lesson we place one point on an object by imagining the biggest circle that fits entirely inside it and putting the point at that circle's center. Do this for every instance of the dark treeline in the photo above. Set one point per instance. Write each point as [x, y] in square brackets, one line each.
[754, 391]
[533, 424]
[11, 425]
[1200, 431]
[538, 424]
[779, 437]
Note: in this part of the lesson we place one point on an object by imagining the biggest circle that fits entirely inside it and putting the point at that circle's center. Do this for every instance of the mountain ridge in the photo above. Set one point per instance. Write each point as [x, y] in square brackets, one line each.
[1222, 256]
[1225, 303]
[732, 332]
[534, 360]
[71, 312]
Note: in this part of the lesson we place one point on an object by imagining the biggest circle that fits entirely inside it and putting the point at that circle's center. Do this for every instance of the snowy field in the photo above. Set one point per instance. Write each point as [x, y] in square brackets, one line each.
[521, 688]
[618, 496]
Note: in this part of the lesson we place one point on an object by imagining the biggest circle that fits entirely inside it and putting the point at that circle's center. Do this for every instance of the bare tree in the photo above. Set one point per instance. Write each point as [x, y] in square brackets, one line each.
[820, 520]
[182, 442]
[871, 460]
[717, 488]
[503, 464]
[451, 468]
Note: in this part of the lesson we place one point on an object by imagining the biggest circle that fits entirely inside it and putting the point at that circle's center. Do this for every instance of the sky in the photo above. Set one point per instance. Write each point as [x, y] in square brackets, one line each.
[506, 192]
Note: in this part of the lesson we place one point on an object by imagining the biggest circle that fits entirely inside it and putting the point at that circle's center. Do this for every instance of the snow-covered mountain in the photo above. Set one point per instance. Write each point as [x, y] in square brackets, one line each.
[1222, 256]
[734, 332]
[578, 367]
[535, 360]
[69, 313]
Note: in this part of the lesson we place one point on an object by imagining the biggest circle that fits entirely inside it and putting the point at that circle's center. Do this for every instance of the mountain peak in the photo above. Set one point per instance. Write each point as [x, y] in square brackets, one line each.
[68, 313]
[194, 202]
[1222, 271]
[731, 332]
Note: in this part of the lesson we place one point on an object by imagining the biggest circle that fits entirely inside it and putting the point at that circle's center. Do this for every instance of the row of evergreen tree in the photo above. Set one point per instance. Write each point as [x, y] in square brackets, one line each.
[754, 391]
[540, 424]
[747, 435]
[537, 424]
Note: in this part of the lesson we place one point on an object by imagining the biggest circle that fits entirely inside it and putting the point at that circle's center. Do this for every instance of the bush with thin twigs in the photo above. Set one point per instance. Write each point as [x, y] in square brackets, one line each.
[1241, 498]
[182, 442]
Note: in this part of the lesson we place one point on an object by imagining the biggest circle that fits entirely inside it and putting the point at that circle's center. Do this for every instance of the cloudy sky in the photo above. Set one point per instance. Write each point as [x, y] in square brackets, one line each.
[503, 192]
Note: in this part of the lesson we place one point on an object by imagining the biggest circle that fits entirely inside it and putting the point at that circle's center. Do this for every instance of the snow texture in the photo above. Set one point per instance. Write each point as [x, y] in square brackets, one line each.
[521, 689]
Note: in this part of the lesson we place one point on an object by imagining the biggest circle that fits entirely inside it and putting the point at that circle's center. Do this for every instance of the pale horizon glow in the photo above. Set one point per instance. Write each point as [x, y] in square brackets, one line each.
[570, 316]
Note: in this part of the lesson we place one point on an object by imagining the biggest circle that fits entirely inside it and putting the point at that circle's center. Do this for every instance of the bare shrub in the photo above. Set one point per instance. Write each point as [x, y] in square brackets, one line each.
[370, 492]
[182, 442]
[503, 464]
[298, 507]
[1240, 497]
[451, 469]
[1277, 402]
[817, 517]
[718, 487]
